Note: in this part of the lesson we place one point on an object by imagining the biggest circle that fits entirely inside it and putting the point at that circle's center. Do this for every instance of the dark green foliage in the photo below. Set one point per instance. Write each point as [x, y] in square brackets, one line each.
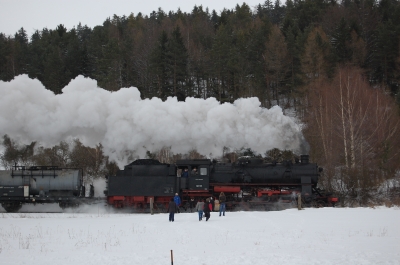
[159, 62]
[341, 39]
[211, 54]
[177, 62]
[14, 55]
[385, 54]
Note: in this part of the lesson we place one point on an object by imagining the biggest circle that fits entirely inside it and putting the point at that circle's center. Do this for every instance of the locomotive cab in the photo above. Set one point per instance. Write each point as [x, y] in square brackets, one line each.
[198, 176]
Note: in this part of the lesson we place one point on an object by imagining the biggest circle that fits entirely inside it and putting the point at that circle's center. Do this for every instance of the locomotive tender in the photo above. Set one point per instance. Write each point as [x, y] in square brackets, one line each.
[247, 183]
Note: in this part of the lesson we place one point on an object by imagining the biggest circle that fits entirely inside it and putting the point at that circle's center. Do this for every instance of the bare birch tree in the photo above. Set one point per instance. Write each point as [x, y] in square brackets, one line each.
[357, 127]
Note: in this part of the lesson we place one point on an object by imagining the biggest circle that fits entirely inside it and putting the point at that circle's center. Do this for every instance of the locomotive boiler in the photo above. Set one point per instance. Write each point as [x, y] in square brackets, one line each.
[247, 183]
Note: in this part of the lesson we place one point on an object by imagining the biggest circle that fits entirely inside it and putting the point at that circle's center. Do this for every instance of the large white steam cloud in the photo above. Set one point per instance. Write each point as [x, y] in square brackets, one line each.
[123, 121]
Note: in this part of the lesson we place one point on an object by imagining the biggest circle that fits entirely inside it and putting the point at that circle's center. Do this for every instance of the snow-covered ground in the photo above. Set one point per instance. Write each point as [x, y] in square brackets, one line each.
[311, 236]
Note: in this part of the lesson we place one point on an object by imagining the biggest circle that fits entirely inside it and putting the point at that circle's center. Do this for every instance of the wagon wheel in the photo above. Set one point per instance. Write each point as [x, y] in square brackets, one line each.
[321, 204]
[161, 208]
[314, 204]
[62, 205]
[267, 198]
[11, 207]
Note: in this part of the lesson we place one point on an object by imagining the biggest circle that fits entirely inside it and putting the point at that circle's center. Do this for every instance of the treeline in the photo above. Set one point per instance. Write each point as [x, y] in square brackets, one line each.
[73, 154]
[270, 52]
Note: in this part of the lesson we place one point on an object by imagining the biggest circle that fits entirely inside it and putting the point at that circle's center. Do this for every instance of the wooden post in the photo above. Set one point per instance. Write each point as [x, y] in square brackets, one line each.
[151, 206]
[172, 258]
[299, 201]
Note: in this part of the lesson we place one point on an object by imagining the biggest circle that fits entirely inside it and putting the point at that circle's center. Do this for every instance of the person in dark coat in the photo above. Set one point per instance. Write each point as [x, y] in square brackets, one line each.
[172, 208]
[222, 200]
[207, 209]
[192, 204]
[185, 173]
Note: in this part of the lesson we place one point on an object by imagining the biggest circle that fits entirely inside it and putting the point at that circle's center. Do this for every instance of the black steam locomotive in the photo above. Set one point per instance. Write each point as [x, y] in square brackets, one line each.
[248, 183]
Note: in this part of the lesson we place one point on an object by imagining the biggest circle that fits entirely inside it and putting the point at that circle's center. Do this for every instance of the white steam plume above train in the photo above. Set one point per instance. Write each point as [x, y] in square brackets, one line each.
[123, 121]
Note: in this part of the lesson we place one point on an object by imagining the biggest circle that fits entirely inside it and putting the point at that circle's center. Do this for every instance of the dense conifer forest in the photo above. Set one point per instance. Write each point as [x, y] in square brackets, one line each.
[336, 64]
[270, 52]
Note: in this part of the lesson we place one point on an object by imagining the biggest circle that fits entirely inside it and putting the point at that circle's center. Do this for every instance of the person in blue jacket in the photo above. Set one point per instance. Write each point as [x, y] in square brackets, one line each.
[185, 173]
[177, 201]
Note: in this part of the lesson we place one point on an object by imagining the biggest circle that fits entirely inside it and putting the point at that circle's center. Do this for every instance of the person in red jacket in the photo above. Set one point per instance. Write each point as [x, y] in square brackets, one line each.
[207, 209]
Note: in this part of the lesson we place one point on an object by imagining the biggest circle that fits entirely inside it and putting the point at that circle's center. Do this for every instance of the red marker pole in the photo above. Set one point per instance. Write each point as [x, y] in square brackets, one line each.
[172, 258]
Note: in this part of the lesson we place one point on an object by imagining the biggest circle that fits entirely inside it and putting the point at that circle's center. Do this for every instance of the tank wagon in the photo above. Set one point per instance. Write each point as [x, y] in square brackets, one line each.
[40, 184]
[248, 183]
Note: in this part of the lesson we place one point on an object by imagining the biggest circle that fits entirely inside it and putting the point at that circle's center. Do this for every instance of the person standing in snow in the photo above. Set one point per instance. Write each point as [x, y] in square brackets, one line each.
[207, 209]
[177, 201]
[191, 204]
[172, 209]
[212, 203]
[199, 208]
[222, 200]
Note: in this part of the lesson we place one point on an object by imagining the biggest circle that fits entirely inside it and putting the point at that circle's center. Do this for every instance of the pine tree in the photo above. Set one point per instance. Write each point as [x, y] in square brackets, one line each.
[276, 60]
[220, 53]
[294, 80]
[159, 65]
[37, 52]
[6, 65]
[314, 60]
[53, 72]
[21, 52]
[341, 40]
[385, 55]
[177, 62]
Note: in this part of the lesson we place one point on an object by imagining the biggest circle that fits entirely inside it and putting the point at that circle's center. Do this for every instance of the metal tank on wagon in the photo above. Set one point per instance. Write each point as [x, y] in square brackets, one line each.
[40, 184]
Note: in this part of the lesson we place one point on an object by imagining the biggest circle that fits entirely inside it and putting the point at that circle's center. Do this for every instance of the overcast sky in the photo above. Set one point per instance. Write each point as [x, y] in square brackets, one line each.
[37, 14]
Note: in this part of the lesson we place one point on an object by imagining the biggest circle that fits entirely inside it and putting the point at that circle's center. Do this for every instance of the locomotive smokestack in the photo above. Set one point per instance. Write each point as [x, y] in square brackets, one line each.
[304, 159]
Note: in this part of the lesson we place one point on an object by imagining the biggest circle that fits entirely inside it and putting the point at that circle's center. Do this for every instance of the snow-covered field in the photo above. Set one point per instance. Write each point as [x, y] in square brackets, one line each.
[310, 236]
